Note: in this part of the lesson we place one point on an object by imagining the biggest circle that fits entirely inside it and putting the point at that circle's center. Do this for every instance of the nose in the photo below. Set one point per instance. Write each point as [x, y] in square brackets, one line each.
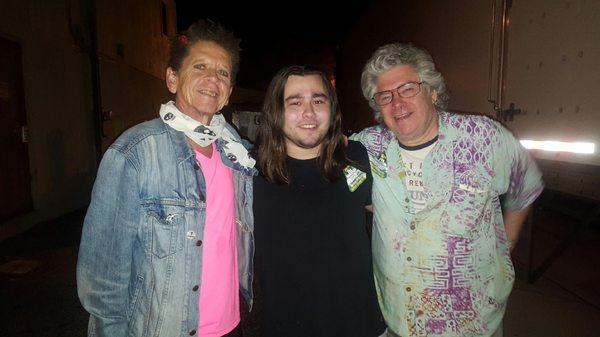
[397, 100]
[308, 111]
[211, 73]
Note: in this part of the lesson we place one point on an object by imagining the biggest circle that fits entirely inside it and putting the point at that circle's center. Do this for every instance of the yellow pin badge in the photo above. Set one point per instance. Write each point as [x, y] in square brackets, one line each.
[354, 177]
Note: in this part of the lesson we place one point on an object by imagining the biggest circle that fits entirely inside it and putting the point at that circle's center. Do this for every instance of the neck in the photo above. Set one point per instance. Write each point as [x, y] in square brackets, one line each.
[302, 153]
[204, 150]
[193, 113]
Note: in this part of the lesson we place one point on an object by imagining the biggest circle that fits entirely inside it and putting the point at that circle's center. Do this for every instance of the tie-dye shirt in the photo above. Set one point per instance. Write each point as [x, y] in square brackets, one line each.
[446, 270]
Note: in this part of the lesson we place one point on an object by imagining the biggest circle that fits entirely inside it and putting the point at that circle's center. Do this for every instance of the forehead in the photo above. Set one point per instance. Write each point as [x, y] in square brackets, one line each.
[310, 84]
[397, 76]
[210, 51]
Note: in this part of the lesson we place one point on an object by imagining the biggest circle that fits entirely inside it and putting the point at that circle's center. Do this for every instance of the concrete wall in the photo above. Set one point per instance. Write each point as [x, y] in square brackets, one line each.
[133, 52]
[55, 39]
[58, 104]
[456, 33]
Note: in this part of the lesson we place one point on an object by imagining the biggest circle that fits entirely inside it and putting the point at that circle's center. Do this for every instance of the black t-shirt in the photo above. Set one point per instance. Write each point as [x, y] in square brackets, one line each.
[313, 255]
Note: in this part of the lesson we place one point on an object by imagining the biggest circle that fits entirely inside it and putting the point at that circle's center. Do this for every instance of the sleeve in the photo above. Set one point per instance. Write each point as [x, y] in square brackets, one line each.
[359, 137]
[517, 176]
[358, 154]
[105, 252]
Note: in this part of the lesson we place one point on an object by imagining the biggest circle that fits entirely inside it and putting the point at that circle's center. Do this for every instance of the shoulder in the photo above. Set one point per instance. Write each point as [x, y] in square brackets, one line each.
[355, 150]
[367, 134]
[138, 133]
[357, 153]
[473, 126]
[375, 138]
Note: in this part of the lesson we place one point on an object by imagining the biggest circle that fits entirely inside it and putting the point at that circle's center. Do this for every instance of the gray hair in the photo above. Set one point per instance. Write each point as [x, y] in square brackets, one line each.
[396, 54]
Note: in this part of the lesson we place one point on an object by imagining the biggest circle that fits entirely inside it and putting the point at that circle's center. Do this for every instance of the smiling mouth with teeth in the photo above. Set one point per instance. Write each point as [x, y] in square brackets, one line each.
[307, 126]
[208, 93]
[403, 116]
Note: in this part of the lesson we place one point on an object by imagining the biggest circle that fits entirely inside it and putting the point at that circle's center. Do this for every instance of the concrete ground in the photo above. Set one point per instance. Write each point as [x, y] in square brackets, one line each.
[38, 290]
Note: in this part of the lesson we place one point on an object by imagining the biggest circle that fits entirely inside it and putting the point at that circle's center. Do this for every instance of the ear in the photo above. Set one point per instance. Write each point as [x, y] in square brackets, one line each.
[434, 96]
[172, 80]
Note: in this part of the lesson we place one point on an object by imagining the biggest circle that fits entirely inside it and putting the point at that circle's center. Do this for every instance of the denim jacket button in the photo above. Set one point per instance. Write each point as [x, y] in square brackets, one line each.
[196, 166]
[195, 288]
[193, 332]
[199, 243]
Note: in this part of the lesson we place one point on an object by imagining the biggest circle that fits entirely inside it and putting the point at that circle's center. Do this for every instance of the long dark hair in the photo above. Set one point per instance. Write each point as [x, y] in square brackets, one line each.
[271, 138]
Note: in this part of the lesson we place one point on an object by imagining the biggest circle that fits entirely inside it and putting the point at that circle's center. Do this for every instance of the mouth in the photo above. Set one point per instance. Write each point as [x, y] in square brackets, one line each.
[402, 116]
[209, 93]
[307, 126]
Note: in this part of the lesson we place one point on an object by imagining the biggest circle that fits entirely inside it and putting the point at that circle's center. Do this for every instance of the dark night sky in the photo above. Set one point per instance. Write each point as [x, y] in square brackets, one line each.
[274, 36]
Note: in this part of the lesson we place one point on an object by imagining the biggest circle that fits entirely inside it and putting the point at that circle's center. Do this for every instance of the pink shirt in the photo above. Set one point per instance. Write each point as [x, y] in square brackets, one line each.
[219, 288]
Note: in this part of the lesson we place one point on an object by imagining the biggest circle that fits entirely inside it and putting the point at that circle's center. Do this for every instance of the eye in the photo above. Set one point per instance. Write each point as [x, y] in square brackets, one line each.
[384, 94]
[319, 101]
[200, 66]
[407, 90]
[223, 73]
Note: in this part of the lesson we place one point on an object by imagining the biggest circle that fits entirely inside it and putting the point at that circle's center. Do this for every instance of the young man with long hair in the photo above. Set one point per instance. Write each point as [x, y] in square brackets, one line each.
[313, 253]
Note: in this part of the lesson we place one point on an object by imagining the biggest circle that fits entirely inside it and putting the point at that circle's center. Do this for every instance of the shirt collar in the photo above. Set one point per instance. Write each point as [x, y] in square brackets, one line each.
[445, 132]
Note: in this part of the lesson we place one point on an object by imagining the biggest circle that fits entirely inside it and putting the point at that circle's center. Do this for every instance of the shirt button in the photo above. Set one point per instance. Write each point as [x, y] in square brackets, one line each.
[412, 227]
[193, 332]
[407, 200]
[409, 259]
[196, 167]
[408, 289]
[195, 288]
[199, 243]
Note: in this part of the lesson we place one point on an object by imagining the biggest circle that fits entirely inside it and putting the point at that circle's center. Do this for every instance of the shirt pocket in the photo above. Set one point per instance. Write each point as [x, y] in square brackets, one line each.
[164, 227]
[468, 212]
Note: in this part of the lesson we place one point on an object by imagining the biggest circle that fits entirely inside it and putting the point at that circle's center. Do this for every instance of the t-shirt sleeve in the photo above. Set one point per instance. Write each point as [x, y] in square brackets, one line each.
[357, 153]
[516, 174]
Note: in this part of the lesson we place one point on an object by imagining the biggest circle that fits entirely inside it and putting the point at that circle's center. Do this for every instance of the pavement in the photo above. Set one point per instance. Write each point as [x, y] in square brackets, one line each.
[39, 295]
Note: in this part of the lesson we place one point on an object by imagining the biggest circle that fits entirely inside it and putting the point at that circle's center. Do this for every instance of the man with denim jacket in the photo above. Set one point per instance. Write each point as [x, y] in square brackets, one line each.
[167, 240]
[442, 232]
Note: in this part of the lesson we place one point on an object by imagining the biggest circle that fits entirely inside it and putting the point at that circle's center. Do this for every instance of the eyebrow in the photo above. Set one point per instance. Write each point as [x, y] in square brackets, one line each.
[205, 60]
[315, 95]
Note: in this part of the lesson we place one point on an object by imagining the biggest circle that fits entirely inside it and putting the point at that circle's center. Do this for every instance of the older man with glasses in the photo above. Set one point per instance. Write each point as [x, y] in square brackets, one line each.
[450, 195]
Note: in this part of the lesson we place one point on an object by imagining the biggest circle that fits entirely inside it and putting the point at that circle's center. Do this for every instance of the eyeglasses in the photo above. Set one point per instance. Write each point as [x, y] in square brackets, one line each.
[407, 90]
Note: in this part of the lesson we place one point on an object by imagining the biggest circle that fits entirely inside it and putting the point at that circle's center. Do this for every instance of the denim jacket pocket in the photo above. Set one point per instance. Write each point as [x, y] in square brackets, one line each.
[165, 225]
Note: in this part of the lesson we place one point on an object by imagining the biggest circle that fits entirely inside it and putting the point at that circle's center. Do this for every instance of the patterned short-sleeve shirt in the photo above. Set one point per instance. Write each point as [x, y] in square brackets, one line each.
[446, 270]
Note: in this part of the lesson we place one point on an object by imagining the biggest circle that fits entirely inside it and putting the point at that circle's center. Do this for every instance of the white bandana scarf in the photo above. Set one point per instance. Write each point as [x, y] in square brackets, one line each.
[205, 135]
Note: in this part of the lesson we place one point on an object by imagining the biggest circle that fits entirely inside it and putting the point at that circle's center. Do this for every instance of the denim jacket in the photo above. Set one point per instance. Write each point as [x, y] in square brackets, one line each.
[140, 258]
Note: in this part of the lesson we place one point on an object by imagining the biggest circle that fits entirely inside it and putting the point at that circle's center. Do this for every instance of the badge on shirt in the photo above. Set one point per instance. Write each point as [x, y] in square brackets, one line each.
[354, 177]
[379, 165]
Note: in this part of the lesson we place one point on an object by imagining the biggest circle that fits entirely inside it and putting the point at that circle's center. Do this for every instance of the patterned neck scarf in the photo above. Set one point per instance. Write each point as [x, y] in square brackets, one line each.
[205, 135]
